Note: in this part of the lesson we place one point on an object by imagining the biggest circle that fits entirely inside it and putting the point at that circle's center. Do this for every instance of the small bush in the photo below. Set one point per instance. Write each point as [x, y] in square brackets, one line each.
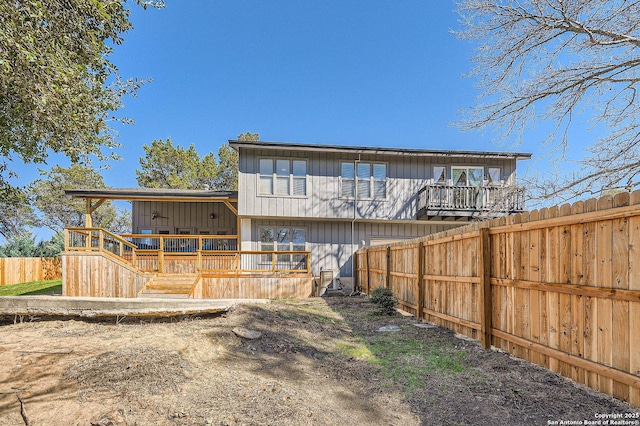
[383, 297]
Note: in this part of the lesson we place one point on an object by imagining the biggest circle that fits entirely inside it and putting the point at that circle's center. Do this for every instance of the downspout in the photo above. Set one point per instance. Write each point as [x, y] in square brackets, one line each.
[355, 209]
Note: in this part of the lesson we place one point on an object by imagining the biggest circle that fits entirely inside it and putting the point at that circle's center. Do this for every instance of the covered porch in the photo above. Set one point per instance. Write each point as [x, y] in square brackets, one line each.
[185, 243]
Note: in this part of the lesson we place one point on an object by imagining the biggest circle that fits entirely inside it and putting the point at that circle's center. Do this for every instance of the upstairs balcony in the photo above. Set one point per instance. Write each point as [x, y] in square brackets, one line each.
[446, 202]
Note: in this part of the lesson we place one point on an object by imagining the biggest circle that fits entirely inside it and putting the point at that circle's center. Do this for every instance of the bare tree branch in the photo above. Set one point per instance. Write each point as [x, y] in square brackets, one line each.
[560, 62]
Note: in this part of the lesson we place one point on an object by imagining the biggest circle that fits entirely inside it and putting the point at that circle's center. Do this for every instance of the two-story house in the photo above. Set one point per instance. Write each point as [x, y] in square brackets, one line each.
[331, 200]
[299, 209]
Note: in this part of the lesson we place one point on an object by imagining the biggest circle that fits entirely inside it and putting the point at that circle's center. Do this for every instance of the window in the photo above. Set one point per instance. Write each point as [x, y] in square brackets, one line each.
[348, 180]
[467, 176]
[283, 177]
[440, 175]
[283, 239]
[494, 176]
[368, 180]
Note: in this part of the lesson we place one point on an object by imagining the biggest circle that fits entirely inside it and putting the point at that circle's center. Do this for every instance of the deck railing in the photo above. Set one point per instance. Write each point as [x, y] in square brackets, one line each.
[101, 240]
[182, 243]
[499, 199]
[185, 253]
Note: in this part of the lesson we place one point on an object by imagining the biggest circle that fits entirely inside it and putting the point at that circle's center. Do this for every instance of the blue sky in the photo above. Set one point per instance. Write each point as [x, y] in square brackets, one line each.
[376, 73]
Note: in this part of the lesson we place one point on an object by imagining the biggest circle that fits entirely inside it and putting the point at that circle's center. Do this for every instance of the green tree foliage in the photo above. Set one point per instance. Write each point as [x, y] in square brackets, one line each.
[58, 89]
[167, 166]
[227, 171]
[561, 62]
[248, 136]
[15, 215]
[23, 244]
[58, 211]
[171, 166]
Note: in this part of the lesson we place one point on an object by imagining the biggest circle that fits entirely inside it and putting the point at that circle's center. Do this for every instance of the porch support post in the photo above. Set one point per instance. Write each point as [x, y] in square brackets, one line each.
[87, 215]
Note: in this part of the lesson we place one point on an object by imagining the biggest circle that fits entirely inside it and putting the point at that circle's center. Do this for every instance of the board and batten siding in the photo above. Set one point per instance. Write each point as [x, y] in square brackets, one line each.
[179, 215]
[406, 175]
[330, 242]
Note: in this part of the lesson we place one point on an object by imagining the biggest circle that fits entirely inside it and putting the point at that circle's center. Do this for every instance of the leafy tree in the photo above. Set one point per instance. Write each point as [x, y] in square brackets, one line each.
[167, 166]
[58, 89]
[15, 215]
[561, 61]
[59, 211]
[227, 171]
[248, 136]
[23, 244]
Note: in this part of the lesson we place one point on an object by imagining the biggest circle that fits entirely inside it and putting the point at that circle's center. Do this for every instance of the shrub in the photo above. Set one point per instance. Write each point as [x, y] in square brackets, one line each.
[383, 297]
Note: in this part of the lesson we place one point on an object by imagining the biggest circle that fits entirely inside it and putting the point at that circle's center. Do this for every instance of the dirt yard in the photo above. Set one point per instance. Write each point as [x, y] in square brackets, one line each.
[317, 362]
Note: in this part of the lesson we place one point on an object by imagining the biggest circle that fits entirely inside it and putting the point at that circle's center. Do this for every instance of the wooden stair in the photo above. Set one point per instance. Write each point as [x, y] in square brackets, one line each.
[173, 286]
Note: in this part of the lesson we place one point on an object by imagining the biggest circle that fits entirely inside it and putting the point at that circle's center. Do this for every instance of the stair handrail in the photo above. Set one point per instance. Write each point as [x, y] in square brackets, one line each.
[102, 233]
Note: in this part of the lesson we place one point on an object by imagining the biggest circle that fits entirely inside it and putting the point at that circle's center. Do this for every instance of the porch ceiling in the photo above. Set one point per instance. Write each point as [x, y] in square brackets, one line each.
[154, 194]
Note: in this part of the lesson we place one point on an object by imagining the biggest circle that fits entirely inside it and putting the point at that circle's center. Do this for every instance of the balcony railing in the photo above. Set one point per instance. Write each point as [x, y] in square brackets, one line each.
[482, 199]
[185, 253]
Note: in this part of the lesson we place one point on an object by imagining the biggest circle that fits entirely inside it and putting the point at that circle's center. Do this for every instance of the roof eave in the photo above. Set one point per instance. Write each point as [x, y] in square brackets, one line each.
[235, 144]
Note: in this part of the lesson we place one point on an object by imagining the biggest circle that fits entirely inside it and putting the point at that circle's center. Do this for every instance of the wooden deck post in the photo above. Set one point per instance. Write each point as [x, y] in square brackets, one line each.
[484, 269]
[420, 273]
[87, 214]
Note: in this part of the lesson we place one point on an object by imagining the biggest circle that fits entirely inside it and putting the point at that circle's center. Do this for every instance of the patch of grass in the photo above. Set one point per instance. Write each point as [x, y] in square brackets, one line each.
[32, 288]
[359, 351]
[312, 311]
[407, 361]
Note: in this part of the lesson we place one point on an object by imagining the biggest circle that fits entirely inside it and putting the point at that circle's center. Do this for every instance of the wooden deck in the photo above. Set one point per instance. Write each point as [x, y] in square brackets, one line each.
[97, 263]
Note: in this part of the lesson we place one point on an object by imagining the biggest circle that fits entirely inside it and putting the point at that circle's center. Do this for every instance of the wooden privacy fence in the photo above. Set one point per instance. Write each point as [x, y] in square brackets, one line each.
[15, 270]
[559, 287]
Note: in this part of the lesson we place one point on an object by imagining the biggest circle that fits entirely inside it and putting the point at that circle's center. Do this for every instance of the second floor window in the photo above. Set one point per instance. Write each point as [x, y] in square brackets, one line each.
[283, 177]
[467, 176]
[370, 180]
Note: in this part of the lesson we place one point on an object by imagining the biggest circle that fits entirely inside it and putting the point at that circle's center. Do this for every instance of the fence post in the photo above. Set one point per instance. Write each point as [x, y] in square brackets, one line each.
[368, 271]
[484, 269]
[387, 280]
[354, 273]
[420, 280]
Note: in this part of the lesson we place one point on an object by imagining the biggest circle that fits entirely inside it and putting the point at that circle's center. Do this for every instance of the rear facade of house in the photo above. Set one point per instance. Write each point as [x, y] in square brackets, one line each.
[331, 200]
[299, 210]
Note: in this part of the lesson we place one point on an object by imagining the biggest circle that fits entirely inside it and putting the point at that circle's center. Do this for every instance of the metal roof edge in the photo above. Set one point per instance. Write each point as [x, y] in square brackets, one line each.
[235, 144]
[149, 193]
